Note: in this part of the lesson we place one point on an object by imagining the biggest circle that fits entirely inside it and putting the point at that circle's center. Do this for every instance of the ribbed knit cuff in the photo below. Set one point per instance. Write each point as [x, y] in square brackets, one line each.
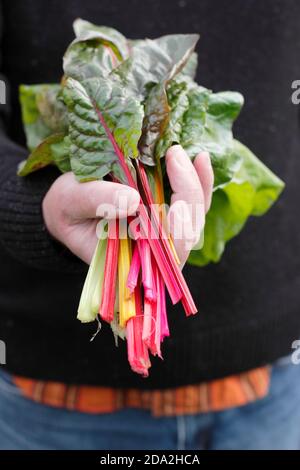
[22, 229]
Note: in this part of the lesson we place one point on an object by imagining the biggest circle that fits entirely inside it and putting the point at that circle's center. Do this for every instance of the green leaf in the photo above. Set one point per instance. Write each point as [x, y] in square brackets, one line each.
[267, 185]
[84, 31]
[95, 51]
[61, 151]
[157, 112]
[217, 111]
[177, 95]
[145, 93]
[172, 53]
[190, 68]
[155, 61]
[252, 191]
[202, 120]
[41, 156]
[42, 112]
[92, 154]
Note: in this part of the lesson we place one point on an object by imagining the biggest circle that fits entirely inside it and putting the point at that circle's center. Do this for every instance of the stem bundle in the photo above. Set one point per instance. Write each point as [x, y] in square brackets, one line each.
[137, 271]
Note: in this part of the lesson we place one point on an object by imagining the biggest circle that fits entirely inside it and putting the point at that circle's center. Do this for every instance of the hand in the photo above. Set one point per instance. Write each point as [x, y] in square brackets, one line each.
[192, 186]
[72, 210]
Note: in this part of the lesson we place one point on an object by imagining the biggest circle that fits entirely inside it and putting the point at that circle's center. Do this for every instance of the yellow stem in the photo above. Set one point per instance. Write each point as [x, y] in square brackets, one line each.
[126, 299]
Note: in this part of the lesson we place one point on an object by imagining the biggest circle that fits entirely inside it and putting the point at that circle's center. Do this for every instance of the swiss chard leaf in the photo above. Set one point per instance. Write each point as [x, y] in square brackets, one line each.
[177, 95]
[42, 112]
[156, 62]
[202, 120]
[222, 110]
[61, 151]
[144, 92]
[252, 191]
[190, 68]
[42, 156]
[84, 31]
[92, 154]
[95, 51]
[157, 113]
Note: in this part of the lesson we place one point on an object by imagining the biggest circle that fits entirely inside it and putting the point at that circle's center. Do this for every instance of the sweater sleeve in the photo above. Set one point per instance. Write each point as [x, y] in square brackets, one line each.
[22, 230]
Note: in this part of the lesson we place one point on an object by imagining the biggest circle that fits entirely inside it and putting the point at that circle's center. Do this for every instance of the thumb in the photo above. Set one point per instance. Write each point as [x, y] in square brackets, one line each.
[100, 199]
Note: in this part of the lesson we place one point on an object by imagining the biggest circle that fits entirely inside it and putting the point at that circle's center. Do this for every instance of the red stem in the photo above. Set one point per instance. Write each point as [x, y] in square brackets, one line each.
[107, 306]
[166, 263]
[187, 300]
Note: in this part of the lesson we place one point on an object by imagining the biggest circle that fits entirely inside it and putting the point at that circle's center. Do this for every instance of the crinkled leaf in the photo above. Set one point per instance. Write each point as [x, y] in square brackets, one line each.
[157, 112]
[42, 112]
[202, 120]
[95, 51]
[51, 108]
[41, 156]
[178, 102]
[155, 61]
[92, 154]
[84, 31]
[252, 191]
[61, 154]
[223, 108]
[180, 48]
[190, 68]
[116, 78]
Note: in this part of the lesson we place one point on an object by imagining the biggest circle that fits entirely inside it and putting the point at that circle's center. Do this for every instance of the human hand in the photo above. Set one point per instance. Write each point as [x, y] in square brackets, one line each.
[192, 186]
[72, 210]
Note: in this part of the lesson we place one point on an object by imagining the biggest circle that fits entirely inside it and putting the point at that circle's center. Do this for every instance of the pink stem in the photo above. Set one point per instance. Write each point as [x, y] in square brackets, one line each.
[135, 267]
[164, 318]
[168, 267]
[147, 274]
[148, 321]
[187, 300]
[137, 351]
[107, 306]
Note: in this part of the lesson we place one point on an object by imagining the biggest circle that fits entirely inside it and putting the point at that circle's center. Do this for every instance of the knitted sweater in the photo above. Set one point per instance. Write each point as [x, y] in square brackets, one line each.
[249, 302]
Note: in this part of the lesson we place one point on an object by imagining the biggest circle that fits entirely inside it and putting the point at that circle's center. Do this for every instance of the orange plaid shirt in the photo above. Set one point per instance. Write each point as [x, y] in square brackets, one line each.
[236, 390]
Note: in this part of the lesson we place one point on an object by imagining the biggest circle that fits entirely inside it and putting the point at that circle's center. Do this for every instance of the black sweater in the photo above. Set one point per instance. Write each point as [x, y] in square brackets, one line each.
[249, 303]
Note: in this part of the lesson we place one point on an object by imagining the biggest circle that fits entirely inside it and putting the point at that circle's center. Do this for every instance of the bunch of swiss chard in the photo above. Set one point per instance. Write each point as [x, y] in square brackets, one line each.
[120, 105]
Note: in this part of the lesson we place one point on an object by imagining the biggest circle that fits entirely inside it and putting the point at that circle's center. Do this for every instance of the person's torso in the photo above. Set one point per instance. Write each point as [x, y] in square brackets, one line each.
[249, 46]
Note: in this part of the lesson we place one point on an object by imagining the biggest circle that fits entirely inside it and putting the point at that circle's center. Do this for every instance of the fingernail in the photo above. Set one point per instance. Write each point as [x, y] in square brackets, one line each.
[205, 155]
[178, 156]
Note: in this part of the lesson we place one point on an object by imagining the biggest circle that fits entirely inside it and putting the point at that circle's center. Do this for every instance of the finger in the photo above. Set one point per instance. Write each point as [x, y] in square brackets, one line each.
[185, 183]
[180, 169]
[82, 240]
[187, 201]
[181, 229]
[102, 199]
[203, 166]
